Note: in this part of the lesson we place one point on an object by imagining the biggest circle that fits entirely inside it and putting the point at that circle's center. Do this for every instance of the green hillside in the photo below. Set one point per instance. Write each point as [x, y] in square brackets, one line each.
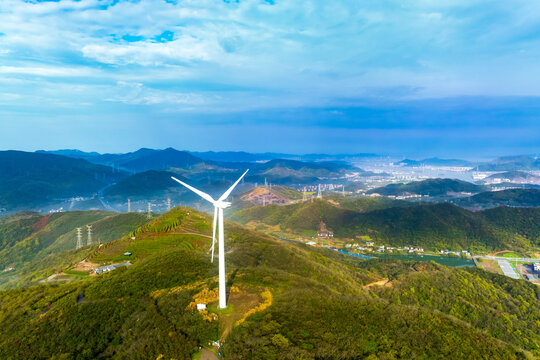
[36, 246]
[145, 185]
[431, 187]
[282, 171]
[286, 301]
[432, 226]
[510, 197]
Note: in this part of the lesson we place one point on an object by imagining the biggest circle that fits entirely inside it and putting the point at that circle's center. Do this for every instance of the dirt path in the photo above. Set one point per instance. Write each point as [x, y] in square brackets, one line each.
[208, 355]
[383, 282]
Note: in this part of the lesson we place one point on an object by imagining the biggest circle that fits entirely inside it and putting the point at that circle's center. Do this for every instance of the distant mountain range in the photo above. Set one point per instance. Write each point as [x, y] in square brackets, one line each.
[152, 183]
[137, 161]
[28, 180]
[169, 156]
[511, 163]
[431, 187]
[435, 162]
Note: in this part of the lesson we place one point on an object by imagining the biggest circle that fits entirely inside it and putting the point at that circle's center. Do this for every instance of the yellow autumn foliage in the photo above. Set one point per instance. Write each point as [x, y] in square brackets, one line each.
[206, 296]
[267, 301]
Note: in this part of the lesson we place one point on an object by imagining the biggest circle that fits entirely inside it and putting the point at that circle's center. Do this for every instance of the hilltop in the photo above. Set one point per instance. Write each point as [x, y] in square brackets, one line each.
[283, 171]
[271, 195]
[432, 226]
[430, 187]
[275, 309]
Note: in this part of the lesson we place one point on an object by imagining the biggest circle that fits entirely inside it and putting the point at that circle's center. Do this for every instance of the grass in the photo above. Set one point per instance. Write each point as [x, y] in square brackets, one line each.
[144, 246]
[510, 255]
[489, 265]
[76, 273]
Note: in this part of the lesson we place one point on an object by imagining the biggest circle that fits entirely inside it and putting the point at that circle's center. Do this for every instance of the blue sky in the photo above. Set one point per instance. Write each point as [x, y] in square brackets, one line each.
[415, 78]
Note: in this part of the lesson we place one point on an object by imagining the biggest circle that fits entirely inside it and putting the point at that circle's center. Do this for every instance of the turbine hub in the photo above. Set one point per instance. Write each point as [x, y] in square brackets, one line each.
[223, 204]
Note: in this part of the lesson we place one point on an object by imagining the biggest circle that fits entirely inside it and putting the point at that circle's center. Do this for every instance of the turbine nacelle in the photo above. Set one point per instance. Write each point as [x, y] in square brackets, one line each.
[222, 204]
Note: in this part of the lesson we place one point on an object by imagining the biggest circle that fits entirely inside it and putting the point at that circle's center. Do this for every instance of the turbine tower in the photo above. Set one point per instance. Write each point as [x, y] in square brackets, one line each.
[219, 205]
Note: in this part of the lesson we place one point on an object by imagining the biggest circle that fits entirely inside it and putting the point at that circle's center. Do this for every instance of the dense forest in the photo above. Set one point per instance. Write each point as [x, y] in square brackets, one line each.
[432, 226]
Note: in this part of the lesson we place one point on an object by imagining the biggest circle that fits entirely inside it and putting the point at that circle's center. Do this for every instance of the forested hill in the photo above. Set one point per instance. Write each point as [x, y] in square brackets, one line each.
[431, 187]
[432, 226]
[510, 197]
[275, 311]
[283, 171]
[28, 180]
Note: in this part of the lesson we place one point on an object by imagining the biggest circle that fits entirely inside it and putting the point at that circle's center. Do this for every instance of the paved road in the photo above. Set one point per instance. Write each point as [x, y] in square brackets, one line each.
[508, 259]
[507, 269]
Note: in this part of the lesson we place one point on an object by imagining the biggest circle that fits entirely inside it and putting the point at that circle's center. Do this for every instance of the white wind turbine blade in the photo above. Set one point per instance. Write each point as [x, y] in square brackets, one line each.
[228, 192]
[198, 192]
[214, 234]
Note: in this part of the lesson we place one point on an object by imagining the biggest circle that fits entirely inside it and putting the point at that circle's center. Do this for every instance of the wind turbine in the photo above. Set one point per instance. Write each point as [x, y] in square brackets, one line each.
[219, 205]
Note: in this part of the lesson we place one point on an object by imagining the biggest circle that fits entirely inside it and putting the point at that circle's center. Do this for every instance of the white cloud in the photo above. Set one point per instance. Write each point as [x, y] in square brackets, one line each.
[249, 54]
[138, 94]
[186, 48]
[59, 71]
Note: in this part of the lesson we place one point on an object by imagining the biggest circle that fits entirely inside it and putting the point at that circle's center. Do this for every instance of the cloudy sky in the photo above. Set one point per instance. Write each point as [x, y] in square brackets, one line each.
[411, 77]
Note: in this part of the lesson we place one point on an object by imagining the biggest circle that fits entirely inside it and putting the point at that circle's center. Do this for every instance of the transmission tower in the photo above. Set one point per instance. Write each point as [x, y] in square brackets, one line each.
[343, 190]
[304, 195]
[149, 213]
[79, 238]
[168, 204]
[319, 194]
[129, 205]
[89, 230]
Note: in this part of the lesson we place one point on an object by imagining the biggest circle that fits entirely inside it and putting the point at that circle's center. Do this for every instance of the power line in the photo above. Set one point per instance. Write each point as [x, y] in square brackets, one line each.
[79, 238]
[89, 230]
